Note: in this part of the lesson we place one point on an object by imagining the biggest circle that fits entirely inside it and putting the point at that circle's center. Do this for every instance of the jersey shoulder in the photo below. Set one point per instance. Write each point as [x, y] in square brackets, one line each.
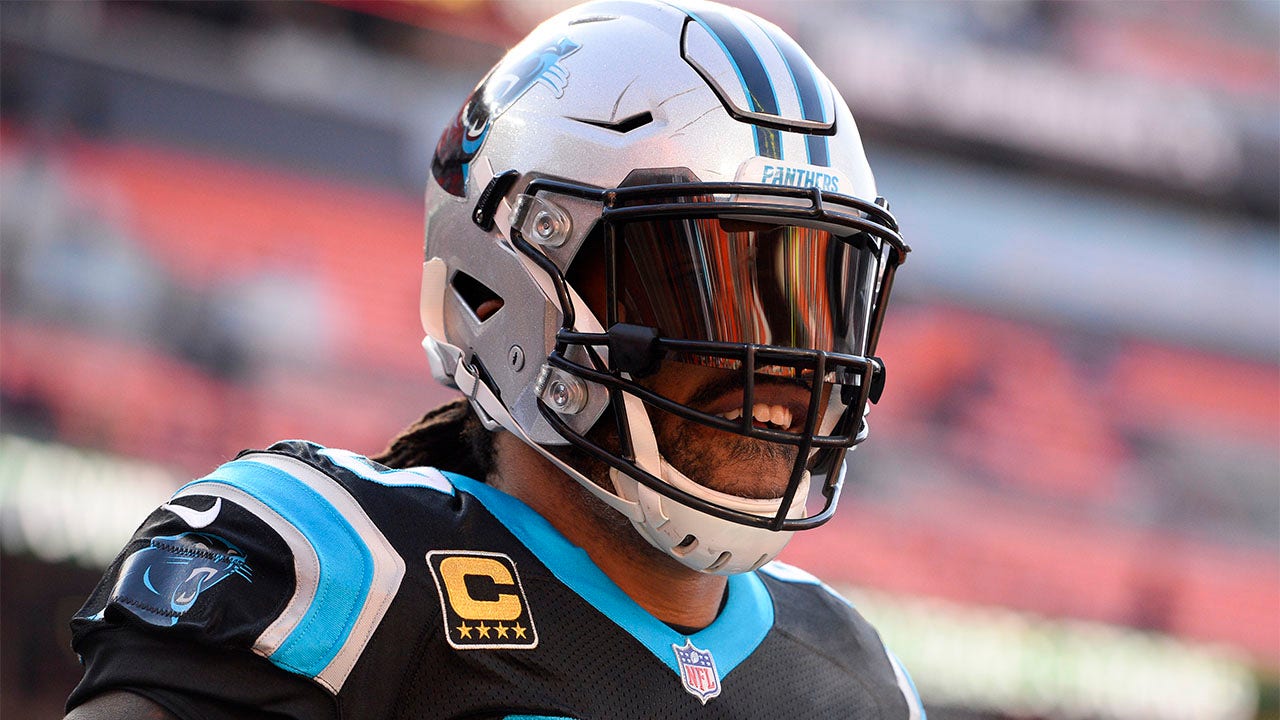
[813, 614]
[810, 608]
[295, 553]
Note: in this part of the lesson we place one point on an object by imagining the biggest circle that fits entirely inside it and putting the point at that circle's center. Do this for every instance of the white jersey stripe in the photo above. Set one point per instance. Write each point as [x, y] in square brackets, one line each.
[915, 708]
[328, 651]
[388, 568]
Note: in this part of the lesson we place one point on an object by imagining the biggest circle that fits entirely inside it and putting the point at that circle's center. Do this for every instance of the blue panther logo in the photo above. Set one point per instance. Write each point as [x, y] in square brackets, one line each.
[160, 582]
[508, 82]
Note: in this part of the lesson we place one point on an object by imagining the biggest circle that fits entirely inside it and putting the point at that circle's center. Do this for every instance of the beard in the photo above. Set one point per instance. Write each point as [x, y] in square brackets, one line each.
[716, 459]
[724, 461]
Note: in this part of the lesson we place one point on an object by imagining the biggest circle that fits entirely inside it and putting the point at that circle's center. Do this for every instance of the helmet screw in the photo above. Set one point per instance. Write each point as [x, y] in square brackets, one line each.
[516, 357]
[567, 396]
[544, 225]
[547, 223]
[559, 394]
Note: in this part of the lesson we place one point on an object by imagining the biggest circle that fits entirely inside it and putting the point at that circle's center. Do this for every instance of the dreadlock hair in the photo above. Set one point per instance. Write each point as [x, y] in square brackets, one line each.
[450, 437]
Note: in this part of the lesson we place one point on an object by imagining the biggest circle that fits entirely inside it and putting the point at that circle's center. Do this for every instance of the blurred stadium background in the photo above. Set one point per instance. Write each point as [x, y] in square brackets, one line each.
[210, 229]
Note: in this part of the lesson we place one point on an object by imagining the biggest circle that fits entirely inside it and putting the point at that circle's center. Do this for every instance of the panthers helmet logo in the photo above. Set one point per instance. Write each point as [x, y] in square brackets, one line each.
[506, 84]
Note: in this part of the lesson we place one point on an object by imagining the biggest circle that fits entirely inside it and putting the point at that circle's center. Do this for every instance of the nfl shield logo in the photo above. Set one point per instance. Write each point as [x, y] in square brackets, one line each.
[697, 671]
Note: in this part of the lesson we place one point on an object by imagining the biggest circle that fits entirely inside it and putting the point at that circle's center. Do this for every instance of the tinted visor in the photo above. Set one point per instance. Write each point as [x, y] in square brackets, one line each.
[720, 279]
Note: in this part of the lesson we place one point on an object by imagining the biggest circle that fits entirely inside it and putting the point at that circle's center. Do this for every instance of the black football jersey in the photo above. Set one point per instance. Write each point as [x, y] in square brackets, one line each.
[308, 582]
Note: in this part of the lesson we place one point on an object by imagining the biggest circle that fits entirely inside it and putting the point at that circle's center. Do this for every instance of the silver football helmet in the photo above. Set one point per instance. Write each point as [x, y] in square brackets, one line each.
[643, 183]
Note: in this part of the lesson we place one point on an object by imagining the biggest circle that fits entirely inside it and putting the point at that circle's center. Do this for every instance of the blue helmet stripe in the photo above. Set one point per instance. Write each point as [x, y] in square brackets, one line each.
[751, 72]
[809, 92]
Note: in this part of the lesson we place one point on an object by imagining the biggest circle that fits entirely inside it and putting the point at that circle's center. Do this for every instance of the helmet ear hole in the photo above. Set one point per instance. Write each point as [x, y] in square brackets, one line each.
[478, 297]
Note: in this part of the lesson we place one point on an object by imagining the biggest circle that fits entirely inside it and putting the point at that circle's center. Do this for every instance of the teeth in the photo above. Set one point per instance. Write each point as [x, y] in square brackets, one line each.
[760, 412]
[777, 415]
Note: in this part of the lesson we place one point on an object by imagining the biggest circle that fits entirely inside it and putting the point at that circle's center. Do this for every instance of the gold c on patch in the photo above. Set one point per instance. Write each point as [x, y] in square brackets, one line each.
[484, 605]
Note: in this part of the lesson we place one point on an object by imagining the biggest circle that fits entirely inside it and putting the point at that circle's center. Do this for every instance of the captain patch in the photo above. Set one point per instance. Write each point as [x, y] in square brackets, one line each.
[483, 603]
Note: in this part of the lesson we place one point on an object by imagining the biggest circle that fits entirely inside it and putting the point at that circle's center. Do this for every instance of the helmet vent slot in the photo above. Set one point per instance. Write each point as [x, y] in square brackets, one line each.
[625, 125]
[479, 299]
[686, 546]
[720, 562]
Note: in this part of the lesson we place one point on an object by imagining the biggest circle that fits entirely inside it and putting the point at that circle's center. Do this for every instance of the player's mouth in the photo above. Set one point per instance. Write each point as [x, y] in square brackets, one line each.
[764, 415]
[775, 407]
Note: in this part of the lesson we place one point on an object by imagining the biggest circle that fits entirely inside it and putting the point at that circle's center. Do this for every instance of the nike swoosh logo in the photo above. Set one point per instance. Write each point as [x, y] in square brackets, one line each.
[195, 518]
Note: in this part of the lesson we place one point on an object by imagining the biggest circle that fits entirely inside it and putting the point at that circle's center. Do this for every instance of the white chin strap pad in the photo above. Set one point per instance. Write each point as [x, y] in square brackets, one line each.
[700, 541]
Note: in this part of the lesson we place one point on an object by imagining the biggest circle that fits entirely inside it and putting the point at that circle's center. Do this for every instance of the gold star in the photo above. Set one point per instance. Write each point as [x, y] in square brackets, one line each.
[484, 630]
[464, 629]
[519, 630]
[502, 630]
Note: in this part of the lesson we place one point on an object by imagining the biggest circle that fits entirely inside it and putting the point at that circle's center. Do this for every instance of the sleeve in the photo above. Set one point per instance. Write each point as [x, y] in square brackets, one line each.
[251, 593]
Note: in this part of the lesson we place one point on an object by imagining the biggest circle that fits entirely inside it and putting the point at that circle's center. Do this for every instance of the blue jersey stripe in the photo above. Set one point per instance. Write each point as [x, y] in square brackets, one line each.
[346, 565]
[741, 627]
[751, 73]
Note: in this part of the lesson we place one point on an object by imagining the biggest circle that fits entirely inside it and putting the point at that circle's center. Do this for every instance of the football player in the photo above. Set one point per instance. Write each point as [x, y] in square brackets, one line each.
[656, 269]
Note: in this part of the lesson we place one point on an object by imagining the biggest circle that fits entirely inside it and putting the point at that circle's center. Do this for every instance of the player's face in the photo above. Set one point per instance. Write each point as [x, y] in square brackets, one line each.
[721, 460]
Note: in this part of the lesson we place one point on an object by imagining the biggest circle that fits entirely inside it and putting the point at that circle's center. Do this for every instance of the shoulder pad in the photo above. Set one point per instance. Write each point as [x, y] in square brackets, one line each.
[346, 571]
[272, 551]
[792, 574]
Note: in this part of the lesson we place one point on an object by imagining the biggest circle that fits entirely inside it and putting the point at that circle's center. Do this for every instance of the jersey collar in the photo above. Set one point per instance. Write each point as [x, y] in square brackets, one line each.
[736, 632]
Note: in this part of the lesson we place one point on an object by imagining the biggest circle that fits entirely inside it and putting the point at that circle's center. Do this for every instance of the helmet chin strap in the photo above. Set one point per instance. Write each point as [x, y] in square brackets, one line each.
[493, 414]
[698, 540]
